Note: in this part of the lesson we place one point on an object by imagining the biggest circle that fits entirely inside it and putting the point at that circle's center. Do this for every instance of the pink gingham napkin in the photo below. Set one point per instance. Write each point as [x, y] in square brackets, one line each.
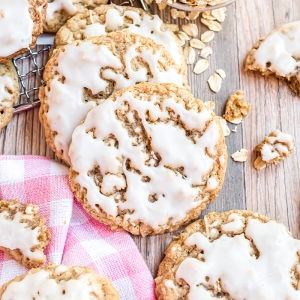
[76, 238]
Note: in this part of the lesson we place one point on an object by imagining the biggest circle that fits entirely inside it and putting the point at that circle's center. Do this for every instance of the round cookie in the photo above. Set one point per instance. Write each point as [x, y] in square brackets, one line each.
[82, 74]
[59, 11]
[23, 23]
[278, 54]
[148, 159]
[59, 282]
[236, 254]
[108, 18]
[9, 92]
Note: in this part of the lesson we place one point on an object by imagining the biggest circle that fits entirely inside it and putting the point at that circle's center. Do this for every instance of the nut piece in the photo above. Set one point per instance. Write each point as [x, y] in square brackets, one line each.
[195, 43]
[212, 25]
[190, 29]
[205, 52]
[174, 13]
[273, 149]
[207, 36]
[240, 156]
[215, 82]
[236, 107]
[221, 72]
[219, 14]
[226, 130]
[201, 66]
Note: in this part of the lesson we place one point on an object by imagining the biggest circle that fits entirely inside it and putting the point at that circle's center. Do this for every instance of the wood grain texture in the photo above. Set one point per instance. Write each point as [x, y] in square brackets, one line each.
[274, 191]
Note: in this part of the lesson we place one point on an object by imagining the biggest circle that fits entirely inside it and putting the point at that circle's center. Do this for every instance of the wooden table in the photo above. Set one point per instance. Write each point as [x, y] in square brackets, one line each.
[274, 191]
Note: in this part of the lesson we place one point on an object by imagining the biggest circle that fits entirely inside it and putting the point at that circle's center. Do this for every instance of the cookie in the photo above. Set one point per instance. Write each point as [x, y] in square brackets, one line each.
[59, 282]
[198, 3]
[273, 149]
[231, 255]
[148, 159]
[23, 23]
[82, 74]
[59, 11]
[23, 233]
[9, 92]
[278, 54]
[109, 18]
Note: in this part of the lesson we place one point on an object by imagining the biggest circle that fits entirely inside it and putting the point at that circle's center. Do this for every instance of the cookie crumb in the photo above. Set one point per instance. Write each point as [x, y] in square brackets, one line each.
[240, 156]
[236, 107]
[273, 149]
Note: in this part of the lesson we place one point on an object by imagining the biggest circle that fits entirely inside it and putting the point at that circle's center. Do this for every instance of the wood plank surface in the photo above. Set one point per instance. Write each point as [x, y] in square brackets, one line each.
[273, 191]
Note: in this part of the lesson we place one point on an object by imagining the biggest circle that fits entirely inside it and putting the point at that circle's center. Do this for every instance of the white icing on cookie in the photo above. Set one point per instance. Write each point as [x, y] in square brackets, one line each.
[148, 26]
[175, 193]
[235, 224]
[57, 5]
[6, 83]
[241, 274]
[40, 286]
[16, 26]
[280, 48]
[81, 67]
[17, 235]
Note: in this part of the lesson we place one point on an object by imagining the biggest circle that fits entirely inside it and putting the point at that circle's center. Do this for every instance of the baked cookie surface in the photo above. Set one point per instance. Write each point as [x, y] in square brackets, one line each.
[59, 282]
[81, 75]
[59, 11]
[278, 54]
[109, 18]
[231, 255]
[148, 159]
[9, 92]
[23, 235]
[23, 23]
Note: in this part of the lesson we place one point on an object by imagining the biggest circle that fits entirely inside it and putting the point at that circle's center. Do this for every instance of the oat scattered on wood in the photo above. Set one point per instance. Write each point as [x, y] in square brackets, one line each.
[221, 72]
[240, 156]
[184, 35]
[212, 25]
[273, 149]
[219, 14]
[190, 29]
[181, 14]
[161, 6]
[207, 15]
[205, 52]
[196, 43]
[236, 107]
[215, 82]
[174, 13]
[201, 66]
[191, 55]
[225, 128]
[193, 15]
[207, 36]
[172, 27]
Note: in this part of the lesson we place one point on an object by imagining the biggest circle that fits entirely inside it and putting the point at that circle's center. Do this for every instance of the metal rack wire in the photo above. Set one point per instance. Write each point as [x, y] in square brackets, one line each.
[30, 80]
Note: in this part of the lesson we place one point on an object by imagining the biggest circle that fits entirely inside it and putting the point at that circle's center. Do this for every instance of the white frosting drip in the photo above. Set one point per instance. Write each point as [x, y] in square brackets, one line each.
[5, 83]
[149, 26]
[40, 286]
[235, 224]
[280, 48]
[16, 235]
[16, 26]
[81, 66]
[242, 275]
[175, 193]
[57, 5]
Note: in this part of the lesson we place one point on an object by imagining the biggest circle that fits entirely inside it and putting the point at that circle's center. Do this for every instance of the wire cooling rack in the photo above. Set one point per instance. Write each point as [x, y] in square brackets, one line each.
[29, 67]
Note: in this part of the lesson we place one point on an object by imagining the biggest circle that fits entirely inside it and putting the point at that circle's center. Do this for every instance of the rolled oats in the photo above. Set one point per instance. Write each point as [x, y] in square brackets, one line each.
[196, 43]
[184, 35]
[200, 66]
[221, 72]
[240, 156]
[212, 25]
[193, 15]
[161, 5]
[226, 130]
[190, 29]
[205, 52]
[215, 82]
[174, 13]
[207, 36]
[219, 14]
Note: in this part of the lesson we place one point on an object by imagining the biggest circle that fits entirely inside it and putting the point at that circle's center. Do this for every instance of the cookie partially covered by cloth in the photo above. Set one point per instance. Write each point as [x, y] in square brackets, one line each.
[148, 159]
[82, 74]
[231, 255]
[9, 92]
[278, 54]
[110, 18]
[23, 235]
[21, 22]
[59, 282]
[59, 11]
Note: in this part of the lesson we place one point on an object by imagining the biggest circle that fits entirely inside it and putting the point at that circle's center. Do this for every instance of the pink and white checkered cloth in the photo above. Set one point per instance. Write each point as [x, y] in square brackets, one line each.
[76, 238]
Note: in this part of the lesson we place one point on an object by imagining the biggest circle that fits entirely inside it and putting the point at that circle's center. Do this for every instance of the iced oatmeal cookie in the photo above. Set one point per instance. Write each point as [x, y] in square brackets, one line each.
[23, 235]
[59, 282]
[59, 11]
[108, 18]
[278, 54]
[231, 255]
[81, 75]
[148, 159]
[21, 22]
[9, 92]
